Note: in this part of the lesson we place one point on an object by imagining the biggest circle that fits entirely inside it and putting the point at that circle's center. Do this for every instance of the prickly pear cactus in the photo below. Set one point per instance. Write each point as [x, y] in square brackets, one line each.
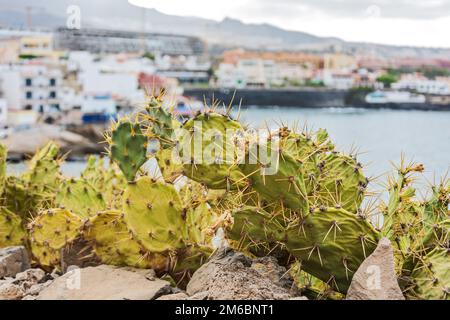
[51, 233]
[128, 147]
[199, 221]
[403, 216]
[80, 198]
[43, 174]
[160, 123]
[95, 172]
[331, 244]
[170, 169]
[284, 184]
[211, 155]
[312, 287]
[340, 182]
[12, 232]
[19, 199]
[114, 245]
[109, 181]
[253, 230]
[154, 214]
[430, 278]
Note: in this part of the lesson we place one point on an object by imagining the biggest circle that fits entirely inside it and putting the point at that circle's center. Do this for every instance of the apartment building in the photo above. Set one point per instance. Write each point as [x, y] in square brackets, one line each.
[32, 87]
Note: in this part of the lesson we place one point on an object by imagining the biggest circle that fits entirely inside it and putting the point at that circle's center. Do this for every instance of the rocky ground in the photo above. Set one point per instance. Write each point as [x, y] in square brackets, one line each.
[228, 275]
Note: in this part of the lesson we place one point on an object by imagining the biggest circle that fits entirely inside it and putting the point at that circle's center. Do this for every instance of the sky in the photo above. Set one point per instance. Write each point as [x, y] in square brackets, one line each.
[395, 22]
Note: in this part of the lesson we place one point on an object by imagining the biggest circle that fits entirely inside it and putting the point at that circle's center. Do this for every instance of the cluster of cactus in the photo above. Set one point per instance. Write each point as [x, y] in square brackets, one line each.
[420, 233]
[308, 212]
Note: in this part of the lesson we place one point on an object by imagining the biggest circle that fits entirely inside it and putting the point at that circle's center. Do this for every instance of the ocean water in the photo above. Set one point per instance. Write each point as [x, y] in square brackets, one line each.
[380, 136]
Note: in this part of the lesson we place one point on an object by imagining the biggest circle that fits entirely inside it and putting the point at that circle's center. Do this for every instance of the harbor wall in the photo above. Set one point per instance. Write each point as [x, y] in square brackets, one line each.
[301, 98]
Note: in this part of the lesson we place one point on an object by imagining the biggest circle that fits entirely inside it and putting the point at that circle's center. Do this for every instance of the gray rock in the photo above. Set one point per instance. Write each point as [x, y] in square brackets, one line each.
[11, 291]
[176, 296]
[35, 289]
[200, 296]
[269, 267]
[12, 261]
[31, 275]
[230, 276]
[105, 283]
[376, 278]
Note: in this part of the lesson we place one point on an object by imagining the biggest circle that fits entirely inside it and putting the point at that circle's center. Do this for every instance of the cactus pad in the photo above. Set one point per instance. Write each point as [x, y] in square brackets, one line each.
[128, 148]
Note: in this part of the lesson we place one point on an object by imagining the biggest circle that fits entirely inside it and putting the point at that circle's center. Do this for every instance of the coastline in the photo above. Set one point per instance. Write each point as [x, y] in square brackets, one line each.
[302, 98]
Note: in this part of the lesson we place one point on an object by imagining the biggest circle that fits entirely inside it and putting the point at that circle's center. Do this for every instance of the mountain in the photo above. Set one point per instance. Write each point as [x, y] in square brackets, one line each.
[220, 35]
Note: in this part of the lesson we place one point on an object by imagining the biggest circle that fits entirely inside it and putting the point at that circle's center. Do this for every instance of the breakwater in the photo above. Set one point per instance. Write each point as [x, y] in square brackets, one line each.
[302, 97]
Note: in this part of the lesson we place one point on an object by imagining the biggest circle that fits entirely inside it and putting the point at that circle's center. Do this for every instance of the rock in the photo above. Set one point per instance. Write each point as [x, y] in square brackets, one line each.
[375, 279]
[230, 276]
[105, 283]
[200, 296]
[299, 298]
[269, 267]
[11, 291]
[31, 275]
[176, 296]
[34, 290]
[12, 261]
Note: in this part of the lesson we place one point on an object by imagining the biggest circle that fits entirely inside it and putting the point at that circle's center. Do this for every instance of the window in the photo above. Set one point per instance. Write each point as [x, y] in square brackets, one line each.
[52, 82]
[28, 82]
[28, 107]
[52, 94]
[29, 95]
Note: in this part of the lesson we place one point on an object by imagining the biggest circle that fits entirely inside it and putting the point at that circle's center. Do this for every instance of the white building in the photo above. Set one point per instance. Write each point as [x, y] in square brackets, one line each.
[338, 80]
[32, 87]
[261, 73]
[422, 85]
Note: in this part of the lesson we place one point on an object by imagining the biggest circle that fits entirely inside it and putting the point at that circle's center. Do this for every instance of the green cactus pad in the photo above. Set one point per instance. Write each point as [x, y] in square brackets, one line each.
[128, 148]
[55, 228]
[114, 245]
[285, 185]
[12, 232]
[256, 231]
[154, 214]
[340, 182]
[170, 170]
[331, 244]
[430, 279]
[43, 173]
[208, 144]
[160, 124]
[198, 223]
[80, 197]
[312, 287]
[45, 256]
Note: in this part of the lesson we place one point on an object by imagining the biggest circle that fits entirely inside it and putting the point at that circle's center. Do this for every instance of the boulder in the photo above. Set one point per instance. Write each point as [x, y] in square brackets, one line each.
[10, 291]
[176, 296]
[230, 276]
[106, 283]
[12, 261]
[375, 279]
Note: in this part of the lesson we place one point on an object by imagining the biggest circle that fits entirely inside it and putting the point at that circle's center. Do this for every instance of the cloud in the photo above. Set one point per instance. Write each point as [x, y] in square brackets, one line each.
[407, 9]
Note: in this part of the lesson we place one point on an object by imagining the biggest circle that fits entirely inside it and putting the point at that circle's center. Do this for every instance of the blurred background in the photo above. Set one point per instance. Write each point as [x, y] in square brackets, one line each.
[375, 74]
